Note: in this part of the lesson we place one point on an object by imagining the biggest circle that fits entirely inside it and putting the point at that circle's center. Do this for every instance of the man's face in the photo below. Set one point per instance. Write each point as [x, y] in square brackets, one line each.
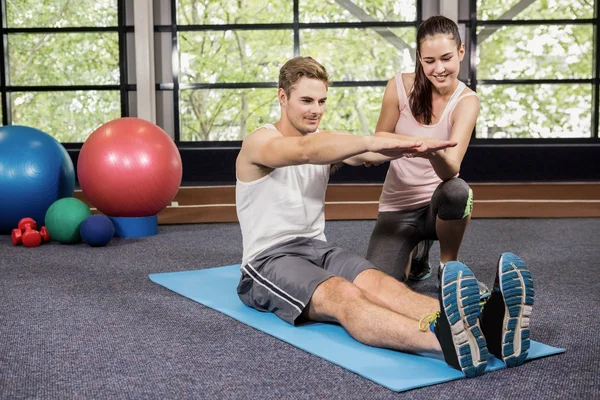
[305, 105]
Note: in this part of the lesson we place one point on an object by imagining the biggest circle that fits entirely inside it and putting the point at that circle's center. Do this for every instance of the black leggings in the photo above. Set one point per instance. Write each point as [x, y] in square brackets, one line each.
[396, 233]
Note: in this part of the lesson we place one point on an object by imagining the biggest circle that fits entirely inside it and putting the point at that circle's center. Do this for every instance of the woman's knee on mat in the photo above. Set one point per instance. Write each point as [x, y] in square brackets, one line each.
[454, 199]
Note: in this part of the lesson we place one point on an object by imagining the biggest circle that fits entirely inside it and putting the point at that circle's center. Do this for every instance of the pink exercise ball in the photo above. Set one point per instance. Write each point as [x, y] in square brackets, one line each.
[129, 167]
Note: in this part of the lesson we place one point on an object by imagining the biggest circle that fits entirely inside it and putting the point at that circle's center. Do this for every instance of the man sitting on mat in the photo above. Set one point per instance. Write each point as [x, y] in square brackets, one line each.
[289, 269]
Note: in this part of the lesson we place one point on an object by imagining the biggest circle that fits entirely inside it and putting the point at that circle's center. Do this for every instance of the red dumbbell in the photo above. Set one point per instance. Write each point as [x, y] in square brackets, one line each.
[45, 235]
[16, 237]
[26, 234]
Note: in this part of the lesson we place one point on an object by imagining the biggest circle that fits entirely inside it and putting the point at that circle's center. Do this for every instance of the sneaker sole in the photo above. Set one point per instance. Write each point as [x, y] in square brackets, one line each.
[517, 289]
[460, 298]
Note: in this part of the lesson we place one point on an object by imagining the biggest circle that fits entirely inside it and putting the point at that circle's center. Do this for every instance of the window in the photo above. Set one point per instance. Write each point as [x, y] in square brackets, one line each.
[67, 67]
[63, 65]
[230, 54]
[535, 69]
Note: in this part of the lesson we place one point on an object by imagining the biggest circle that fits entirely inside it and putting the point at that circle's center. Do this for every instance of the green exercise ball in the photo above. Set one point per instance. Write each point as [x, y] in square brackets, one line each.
[64, 218]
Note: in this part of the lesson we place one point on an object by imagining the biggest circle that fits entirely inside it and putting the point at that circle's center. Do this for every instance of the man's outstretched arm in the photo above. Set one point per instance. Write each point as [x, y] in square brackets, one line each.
[270, 149]
[428, 146]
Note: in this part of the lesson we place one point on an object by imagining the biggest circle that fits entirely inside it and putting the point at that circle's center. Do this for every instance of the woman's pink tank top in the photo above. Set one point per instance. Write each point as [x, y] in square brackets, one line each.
[410, 182]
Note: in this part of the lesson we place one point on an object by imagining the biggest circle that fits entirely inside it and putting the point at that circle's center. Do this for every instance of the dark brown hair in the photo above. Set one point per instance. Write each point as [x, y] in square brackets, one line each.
[296, 68]
[421, 94]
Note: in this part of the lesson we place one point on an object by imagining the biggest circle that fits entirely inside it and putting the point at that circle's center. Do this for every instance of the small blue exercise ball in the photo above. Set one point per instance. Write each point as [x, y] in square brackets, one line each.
[35, 171]
[97, 230]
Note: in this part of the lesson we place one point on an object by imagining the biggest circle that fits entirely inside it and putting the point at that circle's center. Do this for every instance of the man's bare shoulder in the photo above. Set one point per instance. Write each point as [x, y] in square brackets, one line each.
[260, 135]
[247, 168]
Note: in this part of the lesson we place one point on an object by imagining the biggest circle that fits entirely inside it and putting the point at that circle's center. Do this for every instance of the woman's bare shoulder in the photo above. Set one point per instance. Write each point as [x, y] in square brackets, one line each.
[407, 80]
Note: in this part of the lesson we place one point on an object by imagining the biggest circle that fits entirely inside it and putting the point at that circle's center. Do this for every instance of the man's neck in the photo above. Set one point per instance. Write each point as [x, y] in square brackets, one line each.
[287, 129]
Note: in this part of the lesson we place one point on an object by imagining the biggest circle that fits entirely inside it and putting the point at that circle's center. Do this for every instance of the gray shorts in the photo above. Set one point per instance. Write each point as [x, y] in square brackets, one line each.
[283, 278]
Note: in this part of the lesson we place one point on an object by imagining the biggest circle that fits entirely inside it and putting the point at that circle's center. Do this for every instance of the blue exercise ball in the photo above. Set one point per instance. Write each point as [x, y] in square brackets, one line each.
[97, 230]
[35, 171]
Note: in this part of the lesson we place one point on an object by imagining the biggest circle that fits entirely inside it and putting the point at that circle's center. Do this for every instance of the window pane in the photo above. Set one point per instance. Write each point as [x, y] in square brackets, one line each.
[218, 114]
[61, 13]
[535, 52]
[535, 111]
[222, 115]
[361, 54]
[68, 116]
[64, 59]
[357, 10]
[191, 12]
[353, 109]
[234, 56]
[539, 9]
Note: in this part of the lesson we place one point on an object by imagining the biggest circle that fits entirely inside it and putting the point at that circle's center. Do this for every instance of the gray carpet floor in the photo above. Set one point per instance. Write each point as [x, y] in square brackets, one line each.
[86, 323]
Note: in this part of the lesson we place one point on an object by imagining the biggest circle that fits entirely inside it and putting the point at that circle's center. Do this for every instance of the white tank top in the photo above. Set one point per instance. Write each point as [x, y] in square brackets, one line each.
[287, 203]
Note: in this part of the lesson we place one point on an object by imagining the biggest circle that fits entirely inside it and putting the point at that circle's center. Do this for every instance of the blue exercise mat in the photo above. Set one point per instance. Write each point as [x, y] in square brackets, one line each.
[216, 288]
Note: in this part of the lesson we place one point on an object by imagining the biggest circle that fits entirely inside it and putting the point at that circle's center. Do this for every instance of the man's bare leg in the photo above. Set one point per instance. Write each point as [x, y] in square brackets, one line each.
[389, 293]
[338, 300]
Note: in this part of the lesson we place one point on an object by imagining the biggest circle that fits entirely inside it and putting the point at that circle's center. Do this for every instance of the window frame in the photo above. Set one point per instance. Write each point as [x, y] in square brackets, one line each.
[213, 163]
[471, 26]
[174, 28]
[6, 89]
[487, 160]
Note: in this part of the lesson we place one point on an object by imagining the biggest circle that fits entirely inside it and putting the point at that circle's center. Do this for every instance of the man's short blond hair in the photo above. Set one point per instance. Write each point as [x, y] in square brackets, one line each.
[299, 67]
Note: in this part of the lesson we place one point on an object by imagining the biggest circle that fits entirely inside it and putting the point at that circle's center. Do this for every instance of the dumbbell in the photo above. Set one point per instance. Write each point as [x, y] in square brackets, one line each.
[26, 234]
[45, 235]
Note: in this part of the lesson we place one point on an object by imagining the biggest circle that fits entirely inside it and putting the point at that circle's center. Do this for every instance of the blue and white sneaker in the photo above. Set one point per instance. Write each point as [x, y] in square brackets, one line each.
[484, 291]
[505, 317]
[457, 325]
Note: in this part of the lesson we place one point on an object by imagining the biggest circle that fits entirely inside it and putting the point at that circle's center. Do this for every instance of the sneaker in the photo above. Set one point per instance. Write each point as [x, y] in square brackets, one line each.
[420, 268]
[505, 317]
[457, 324]
[484, 291]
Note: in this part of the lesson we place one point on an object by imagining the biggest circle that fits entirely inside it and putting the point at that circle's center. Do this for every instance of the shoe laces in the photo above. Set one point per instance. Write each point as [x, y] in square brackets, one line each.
[426, 321]
[482, 302]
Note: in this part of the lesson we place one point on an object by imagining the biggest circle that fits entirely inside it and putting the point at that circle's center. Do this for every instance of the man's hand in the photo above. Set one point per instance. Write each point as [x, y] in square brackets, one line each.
[384, 146]
[431, 148]
[392, 147]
